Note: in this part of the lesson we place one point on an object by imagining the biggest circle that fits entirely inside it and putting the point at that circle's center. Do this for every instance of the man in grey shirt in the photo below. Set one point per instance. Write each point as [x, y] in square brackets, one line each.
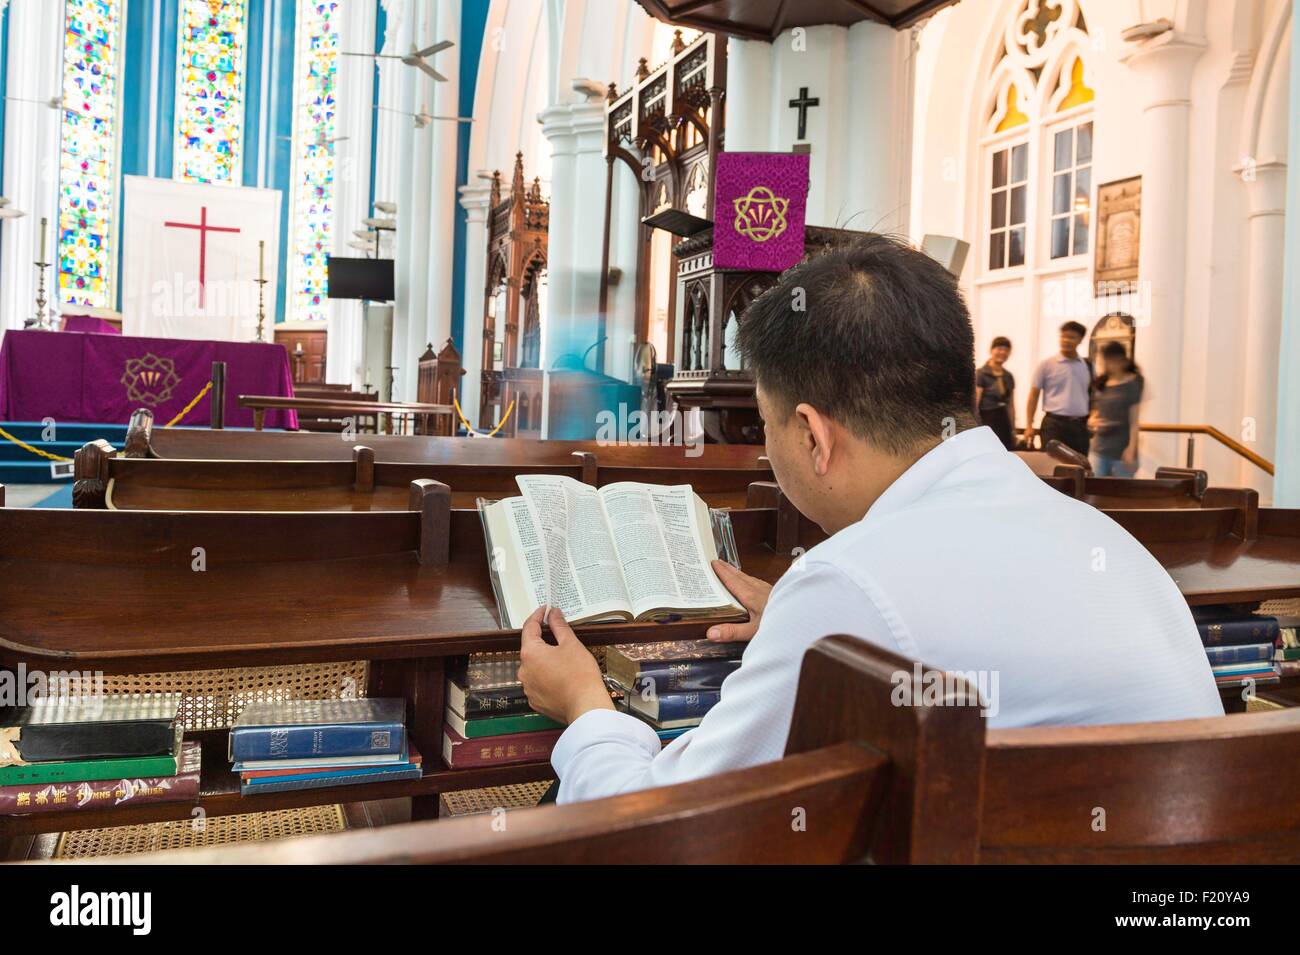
[1065, 382]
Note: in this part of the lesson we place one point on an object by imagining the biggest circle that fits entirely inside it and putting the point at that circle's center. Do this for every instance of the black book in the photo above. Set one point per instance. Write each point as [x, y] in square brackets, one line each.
[107, 727]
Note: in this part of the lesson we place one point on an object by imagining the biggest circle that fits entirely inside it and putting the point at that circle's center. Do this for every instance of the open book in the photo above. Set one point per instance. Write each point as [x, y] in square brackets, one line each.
[624, 552]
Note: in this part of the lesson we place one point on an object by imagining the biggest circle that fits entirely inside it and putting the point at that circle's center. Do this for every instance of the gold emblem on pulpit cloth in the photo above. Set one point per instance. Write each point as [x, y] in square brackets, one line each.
[150, 379]
[760, 215]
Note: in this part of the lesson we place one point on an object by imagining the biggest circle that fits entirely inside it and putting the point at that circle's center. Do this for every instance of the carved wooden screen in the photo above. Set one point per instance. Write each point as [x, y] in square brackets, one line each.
[667, 127]
[513, 304]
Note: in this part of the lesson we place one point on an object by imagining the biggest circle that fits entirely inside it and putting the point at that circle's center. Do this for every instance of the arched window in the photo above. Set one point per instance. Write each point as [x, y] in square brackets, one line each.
[315, 111]
[1038, 139]
[92, 54]
[210, 90]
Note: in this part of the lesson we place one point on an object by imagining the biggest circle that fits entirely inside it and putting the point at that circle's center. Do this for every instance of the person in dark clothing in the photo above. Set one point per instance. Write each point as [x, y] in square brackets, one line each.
[1114, 418]
[995, 393]
[1064, 381]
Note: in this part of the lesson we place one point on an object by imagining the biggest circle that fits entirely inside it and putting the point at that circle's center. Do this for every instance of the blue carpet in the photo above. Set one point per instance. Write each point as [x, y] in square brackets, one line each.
[60, 498]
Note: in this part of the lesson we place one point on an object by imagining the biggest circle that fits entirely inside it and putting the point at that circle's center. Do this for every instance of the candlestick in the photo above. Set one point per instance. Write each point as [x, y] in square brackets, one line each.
[41, 320]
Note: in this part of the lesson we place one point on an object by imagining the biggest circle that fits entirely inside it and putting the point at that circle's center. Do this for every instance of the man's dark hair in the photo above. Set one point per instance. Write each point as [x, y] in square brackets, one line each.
[1075, 327]
[873, 334]
[1000, 342]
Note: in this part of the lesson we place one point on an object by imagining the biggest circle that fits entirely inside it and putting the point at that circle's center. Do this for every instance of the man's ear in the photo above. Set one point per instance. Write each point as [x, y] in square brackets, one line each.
[819, 436]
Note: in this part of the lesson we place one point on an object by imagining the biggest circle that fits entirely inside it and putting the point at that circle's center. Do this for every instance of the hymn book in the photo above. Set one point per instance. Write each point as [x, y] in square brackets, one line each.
[622, 552]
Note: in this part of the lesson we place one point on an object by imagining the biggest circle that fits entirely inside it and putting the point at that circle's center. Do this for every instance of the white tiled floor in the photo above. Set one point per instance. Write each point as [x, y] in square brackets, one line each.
[25, 495]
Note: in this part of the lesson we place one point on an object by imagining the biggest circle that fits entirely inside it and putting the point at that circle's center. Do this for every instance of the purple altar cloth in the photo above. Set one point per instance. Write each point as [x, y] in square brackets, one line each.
[89, 323]
[102, 379]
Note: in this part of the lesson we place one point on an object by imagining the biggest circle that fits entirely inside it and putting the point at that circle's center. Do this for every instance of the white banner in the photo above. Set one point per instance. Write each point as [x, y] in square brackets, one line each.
[190, 259]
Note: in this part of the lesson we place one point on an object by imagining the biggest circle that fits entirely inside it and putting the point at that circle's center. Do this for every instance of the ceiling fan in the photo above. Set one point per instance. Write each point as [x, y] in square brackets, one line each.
[9, 212]
[322, 141]
[423, 118]
[55, 102]
[417, 58]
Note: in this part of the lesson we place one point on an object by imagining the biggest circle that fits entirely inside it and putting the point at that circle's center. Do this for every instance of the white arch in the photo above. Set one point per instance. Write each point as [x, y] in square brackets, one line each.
[1264, 125]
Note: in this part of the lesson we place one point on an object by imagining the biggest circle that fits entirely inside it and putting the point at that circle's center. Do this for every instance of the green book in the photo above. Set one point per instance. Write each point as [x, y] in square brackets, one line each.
[499, 725]
[92, 770]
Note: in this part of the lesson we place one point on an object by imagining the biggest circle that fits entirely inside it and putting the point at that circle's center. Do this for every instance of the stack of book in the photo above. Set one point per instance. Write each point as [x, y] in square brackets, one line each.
[314, 744]
[671, 685]
[1287, 653]
[95, 752]
[1242, 647]
[488, 721]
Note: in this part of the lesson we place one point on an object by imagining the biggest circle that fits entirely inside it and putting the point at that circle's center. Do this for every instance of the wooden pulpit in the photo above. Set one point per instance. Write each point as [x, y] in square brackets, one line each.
[710, 375]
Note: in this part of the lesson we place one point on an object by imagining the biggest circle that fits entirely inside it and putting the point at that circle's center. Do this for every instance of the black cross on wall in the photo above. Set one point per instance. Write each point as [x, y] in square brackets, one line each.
[802, 104]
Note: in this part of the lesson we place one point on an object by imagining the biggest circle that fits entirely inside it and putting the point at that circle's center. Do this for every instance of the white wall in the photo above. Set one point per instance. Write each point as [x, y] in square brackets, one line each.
[1205, 375]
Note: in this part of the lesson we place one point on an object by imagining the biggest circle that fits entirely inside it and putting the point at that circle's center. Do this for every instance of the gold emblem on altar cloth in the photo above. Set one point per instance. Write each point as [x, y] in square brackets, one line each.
[150, 379]
[760, 214]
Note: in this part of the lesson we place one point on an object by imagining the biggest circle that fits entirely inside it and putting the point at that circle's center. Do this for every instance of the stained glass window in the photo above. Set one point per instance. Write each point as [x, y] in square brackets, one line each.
[315, 111]
[210, 90]
[88, 151]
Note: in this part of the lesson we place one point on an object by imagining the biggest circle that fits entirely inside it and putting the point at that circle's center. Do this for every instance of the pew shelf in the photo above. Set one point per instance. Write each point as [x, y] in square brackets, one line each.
[219, 793]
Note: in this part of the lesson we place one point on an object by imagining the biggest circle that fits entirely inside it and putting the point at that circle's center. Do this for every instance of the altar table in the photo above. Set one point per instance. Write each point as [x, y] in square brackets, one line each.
[102, 379]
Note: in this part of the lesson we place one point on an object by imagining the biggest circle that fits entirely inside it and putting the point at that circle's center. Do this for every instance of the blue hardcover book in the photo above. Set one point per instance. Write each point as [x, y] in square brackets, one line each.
[298, 729]
[1244, 653]
[667, 710]
[683, 677]
[1224, 628]
[281, 784]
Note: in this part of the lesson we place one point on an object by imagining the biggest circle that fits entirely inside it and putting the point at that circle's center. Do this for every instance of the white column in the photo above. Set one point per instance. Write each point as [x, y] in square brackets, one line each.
[31, 168]
[397, 147]
[1265, 237]
[1286, 485]
[1164, 68]
[355, 95]
[576, 132]
[437, 255]
[474, 198]
[749, 96]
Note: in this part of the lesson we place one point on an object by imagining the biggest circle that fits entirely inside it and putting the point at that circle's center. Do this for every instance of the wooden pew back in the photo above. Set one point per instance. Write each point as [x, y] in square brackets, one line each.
[1205, 791]
[361, 484]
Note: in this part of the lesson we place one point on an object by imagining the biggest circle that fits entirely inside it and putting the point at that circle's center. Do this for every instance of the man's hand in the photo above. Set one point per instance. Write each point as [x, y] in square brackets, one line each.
[561, 681]
[752, 594]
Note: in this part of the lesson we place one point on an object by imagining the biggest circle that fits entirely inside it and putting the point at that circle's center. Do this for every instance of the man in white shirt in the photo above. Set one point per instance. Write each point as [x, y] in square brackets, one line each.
[944, 548]
[1065, 382]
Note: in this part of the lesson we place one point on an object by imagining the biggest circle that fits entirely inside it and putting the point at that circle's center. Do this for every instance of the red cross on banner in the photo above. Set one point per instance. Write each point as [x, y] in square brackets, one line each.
[203, 229]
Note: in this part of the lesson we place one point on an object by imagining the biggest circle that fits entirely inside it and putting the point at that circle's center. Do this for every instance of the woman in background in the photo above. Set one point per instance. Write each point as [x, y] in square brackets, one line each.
[1114, 418]
[994, 393]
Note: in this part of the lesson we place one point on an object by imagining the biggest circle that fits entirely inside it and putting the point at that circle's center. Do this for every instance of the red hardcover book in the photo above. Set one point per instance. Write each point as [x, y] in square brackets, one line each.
[461, 753]
[106, 793]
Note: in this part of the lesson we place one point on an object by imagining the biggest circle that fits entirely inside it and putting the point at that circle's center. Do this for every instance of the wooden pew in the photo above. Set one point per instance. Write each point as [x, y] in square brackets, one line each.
[361, 484]
[143, 440]
[869, 781]
[1171, 487]
[1180, 792]
[1188, 791]
[307, 421]
[342, 407]
[150, 592]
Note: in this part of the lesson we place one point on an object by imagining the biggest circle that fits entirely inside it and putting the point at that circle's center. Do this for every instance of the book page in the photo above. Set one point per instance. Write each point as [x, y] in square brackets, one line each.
[517, 558]
[583, 577]
[663, 548]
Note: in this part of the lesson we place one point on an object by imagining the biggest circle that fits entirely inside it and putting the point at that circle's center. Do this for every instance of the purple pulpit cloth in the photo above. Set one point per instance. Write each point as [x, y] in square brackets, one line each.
[102, 379]
[89, 323]
[760, 200]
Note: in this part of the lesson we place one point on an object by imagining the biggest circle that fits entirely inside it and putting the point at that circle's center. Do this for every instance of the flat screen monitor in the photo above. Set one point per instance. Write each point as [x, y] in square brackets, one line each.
[370, 279]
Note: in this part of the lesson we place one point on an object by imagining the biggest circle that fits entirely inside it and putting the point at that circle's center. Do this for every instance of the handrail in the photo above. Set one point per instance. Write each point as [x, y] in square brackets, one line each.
[1213, 432]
